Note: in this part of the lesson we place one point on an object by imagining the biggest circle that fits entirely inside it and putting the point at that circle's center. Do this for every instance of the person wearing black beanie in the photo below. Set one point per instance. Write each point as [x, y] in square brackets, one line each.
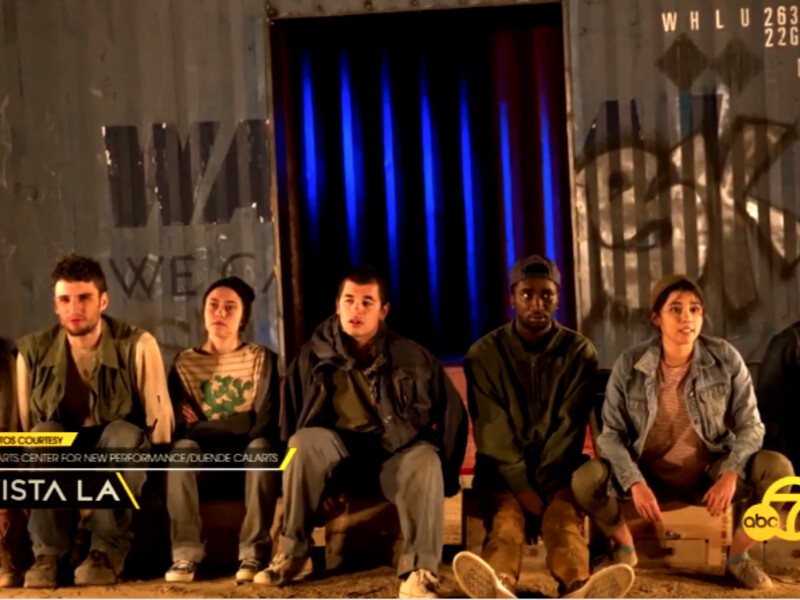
[242, 289]
[226, 399]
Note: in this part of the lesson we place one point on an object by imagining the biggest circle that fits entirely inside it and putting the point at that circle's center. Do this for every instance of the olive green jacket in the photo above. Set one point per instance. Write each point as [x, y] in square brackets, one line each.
[529, 411]
[128, 381]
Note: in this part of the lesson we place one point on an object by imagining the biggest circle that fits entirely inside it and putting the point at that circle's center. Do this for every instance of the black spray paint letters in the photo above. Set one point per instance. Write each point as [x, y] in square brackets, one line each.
[138, 275]
[221, 166]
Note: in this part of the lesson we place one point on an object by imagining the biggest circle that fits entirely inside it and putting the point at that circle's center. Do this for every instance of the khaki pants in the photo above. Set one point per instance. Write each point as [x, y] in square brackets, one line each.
[590, 484]
[561, 531]
[49, 528]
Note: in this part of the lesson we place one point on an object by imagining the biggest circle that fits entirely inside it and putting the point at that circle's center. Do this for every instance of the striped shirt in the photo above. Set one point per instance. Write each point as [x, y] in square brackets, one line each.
[673, 451]
[221, 384]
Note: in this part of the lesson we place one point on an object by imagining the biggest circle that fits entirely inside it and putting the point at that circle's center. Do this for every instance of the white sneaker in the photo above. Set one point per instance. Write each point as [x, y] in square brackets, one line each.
[284, 569]
[420, 584]
[248, 568]
[611, 582]
[477, 578]
[181, 571]
[749, 574]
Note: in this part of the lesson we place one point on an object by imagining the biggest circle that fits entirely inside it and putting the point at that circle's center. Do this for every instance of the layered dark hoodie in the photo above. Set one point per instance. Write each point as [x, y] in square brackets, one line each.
[417, 401]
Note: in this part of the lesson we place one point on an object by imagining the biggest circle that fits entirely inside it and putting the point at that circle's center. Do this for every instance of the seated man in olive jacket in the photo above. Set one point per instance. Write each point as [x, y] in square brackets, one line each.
[530, 388]
[105, 379]
[360, 392]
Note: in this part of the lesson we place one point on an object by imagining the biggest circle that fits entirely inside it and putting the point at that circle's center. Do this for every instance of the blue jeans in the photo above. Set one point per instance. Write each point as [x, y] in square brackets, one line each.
[110, 528]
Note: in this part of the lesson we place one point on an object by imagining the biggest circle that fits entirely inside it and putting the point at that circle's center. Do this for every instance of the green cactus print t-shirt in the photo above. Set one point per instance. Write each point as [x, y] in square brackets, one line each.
[222, 385]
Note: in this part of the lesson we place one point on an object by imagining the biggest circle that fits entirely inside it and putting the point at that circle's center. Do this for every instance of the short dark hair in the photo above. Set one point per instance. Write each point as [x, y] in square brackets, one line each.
[365, 275]
[683, 284]
[74, 267]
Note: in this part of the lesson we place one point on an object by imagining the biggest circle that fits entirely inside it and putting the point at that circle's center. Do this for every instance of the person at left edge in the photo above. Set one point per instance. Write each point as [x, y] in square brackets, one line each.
[13, 537]
[105, 379]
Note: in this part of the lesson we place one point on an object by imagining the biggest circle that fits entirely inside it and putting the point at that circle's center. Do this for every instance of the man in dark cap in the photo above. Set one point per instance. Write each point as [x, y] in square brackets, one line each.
[530, 389]
[226, 397]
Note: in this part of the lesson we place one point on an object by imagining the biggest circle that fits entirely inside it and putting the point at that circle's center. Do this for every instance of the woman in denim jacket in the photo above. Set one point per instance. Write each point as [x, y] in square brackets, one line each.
[680, 422]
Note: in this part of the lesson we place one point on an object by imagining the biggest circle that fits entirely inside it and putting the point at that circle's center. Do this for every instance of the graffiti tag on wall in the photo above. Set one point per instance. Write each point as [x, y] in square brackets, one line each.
[206, 196]
[717, 205]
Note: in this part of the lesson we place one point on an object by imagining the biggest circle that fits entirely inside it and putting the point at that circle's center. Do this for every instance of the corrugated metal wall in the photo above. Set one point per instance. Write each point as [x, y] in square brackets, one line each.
[136, 132]
[278, 9]
[686, 161]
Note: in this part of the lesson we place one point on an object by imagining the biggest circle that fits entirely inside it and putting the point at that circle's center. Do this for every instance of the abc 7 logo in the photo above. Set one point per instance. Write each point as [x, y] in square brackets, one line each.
[761, 522]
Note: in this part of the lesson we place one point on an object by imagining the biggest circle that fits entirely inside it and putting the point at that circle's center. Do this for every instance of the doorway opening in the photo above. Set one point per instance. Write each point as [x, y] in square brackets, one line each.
[430, 145]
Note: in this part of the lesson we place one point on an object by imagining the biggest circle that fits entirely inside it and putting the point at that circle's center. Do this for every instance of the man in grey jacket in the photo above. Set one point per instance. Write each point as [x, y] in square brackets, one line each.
[358, 393]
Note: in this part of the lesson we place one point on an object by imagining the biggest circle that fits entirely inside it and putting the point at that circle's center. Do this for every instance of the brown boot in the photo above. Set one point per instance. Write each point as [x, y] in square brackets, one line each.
[10, 575]
[95, 570]
[12, 525]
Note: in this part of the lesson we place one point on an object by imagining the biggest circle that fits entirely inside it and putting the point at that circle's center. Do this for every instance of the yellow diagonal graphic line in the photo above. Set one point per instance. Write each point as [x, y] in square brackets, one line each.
[288, 458]
[128, 490]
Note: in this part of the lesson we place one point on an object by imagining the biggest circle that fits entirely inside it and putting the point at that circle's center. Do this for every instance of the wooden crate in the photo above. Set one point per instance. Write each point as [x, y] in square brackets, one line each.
[365, 535]
[689, 538]
[222, 520]
[777, 553]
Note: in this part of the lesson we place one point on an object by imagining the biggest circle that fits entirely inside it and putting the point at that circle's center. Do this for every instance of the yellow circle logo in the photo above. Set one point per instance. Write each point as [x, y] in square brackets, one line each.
[761, 522]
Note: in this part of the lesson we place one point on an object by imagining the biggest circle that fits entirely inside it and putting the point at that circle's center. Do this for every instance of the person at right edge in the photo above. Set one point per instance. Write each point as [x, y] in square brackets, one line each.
[680, 422]
[777, 389]
[531, 391]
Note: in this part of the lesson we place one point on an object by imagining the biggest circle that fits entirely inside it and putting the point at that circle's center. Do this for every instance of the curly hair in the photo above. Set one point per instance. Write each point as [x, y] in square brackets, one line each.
[74, 267]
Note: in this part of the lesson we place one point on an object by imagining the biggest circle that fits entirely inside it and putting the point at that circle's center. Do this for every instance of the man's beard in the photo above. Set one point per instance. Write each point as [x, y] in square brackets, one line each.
[537, 327]
[81, 331]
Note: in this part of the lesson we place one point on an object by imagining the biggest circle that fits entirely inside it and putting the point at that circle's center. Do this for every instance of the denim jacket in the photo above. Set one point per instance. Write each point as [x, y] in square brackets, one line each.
[719, 398]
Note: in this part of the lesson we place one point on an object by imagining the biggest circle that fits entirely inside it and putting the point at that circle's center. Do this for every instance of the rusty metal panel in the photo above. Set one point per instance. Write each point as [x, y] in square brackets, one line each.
[136, 132]
[281, 9]
[685, 160]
